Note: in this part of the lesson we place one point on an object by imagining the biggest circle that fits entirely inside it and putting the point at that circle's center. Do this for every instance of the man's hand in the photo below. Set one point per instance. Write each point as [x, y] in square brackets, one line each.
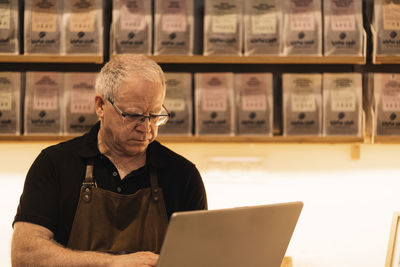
[138, 259]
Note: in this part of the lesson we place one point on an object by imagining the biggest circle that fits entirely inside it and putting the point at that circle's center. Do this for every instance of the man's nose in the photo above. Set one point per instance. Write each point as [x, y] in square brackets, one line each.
[144, 125]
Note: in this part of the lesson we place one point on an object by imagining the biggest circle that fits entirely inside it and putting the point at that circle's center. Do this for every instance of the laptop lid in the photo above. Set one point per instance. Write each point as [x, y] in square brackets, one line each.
[236, 237]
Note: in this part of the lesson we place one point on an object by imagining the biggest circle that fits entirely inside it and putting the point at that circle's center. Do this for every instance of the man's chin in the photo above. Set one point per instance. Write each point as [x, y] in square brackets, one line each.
[137, 146]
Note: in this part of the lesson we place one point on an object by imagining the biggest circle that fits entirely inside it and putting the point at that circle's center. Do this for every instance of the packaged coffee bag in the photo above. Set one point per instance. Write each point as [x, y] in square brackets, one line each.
[343, 24]
[223, 27]
[178, 101]
[10, 88]
[43, 103]
[83, 20]
[79, 93]
[301, 104]
[43, 26]
[9, 27]
[302, 27]
[342, 94]
[387, 103]
[214, 103]
[254, 103]
[387, 26]
[262, 27]
[173, 29]
[131, 27]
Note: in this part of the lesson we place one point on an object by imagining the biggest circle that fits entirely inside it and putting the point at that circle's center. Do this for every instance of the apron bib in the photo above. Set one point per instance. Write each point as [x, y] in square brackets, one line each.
[113, 223]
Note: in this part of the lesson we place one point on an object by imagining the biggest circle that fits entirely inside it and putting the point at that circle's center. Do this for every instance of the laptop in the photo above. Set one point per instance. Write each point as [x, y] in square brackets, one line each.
[237, 237]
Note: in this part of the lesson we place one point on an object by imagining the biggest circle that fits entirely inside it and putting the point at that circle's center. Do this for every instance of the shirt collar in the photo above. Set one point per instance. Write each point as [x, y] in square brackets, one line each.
[89, 149]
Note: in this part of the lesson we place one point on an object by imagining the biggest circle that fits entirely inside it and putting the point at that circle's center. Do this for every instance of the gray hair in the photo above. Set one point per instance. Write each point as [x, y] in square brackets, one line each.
[121, 67]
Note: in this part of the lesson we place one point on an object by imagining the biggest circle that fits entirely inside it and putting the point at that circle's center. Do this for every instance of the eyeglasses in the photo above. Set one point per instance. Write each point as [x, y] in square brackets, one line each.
[156, 119]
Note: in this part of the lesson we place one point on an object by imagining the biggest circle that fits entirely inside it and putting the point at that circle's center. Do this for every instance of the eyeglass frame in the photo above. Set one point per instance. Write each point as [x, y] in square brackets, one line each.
[141, 117]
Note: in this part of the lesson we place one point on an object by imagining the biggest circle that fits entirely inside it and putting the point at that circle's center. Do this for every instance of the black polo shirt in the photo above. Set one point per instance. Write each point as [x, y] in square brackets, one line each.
[52, 185]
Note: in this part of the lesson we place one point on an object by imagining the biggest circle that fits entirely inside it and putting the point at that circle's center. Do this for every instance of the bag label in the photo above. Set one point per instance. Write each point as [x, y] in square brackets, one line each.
[343, 97]
[45, 93]
[5, 16]
[214, 94]
[44, 16]
[82, 16]
[132, 15]
[82, 94]
[5, 93]
[391, 92]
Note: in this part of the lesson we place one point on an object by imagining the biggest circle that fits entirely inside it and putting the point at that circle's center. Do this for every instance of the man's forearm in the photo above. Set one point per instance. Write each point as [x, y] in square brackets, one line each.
[27, 250]
[33, 245]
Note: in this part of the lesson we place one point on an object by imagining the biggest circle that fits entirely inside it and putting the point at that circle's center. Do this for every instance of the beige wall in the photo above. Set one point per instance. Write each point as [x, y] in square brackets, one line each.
[348, 204]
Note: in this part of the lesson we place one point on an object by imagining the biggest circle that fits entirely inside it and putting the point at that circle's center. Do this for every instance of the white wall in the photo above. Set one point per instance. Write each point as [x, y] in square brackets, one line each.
[348, 204]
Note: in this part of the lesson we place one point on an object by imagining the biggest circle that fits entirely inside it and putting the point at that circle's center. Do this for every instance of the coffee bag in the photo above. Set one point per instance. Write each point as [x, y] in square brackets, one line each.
[43, 26]
[10, 88]
[223, 27]
[302, 27]
[301, 104]
[263, 27]
[215, 107]
[132, 27]
[79, 93]
[173, 29]
[343, 24]
[342, 95]
[178, 101]
[43, 103]
[83, 22]
[387, 103]
[9, 40]
[254, 103]
[386, 23]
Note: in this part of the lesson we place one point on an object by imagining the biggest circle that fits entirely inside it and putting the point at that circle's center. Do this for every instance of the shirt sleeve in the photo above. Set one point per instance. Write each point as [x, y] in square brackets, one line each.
[195, 193]
[38, 202]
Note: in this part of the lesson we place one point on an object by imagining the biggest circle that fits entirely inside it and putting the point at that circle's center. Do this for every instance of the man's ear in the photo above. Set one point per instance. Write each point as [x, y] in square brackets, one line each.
[99, 106]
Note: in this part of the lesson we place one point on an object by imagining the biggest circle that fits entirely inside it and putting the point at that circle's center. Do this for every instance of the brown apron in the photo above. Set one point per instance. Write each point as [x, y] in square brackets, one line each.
[109, 222]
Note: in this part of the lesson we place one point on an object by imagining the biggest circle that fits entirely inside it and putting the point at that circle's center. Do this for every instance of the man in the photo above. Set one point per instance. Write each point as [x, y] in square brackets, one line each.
[104, 199]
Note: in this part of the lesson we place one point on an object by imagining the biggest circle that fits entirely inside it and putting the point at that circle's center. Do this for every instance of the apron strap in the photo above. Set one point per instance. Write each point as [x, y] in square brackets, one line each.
[89, 183]
[155, 190]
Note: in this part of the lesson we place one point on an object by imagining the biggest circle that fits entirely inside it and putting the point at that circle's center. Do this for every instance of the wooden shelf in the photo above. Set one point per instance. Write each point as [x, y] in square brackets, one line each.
[261, 139]
[386, 140]
[386, 59]
[199, 59]
[196, 59]
[204, 139]
[48, 58]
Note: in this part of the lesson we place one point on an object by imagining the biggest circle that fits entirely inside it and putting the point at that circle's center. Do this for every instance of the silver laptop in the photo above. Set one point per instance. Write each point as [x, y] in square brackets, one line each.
[237, 237]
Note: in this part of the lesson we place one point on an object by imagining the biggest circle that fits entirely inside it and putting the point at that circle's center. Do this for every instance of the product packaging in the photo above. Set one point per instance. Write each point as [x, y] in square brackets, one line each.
[178, 101]
[263, 21]
[302, 104]
[223, 27]
[79, 93]
[10, 88]
[387, 103]
[43, 26]
[254, 103]
[173, 29]
[342, 95]
[83, 23]
[215, 108]
[9, 40]
[43, 103]
[386, 27]
[302, 27]
[131, 27]
[343, 24]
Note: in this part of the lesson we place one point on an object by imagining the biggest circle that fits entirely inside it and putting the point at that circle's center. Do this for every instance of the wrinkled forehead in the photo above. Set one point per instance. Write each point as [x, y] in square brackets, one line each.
[141, 87]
